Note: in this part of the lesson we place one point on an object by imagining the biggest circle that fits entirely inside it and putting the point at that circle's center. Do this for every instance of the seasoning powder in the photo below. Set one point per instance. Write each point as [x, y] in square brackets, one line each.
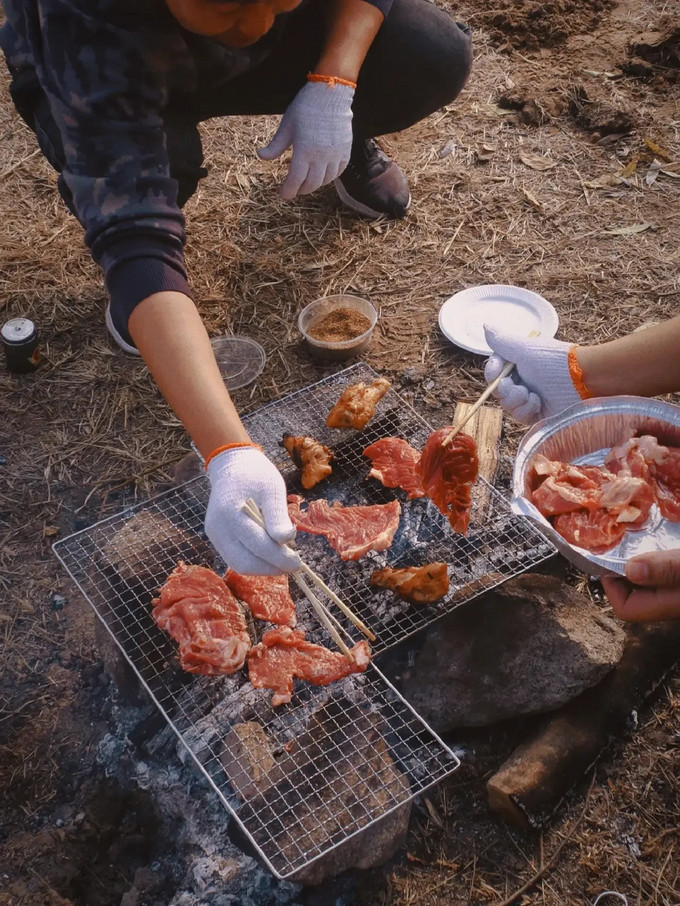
[339, 325]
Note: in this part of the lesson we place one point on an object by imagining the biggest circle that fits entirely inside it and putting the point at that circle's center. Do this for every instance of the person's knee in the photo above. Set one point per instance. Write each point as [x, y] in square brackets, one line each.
[451, 60]
[185, 155]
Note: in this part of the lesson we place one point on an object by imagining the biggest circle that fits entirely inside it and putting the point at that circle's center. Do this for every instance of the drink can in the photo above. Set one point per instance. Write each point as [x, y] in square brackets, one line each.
[20, 342]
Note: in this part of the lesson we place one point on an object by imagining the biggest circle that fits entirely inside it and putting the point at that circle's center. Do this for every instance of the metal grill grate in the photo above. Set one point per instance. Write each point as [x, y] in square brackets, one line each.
[313, 773]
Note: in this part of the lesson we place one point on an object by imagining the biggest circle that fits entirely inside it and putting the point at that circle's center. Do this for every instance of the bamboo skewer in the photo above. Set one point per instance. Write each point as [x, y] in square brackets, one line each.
[324, 615]
[484, 397]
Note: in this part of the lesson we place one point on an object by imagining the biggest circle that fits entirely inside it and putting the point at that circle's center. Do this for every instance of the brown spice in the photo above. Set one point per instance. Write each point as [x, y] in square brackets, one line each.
[339, 325]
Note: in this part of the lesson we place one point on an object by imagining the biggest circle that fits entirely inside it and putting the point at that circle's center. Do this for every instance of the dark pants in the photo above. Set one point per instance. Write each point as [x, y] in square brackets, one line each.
[418, 62]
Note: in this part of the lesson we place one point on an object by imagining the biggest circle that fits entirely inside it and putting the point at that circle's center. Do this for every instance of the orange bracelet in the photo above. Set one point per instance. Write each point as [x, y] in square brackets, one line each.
[576, 373]
[234, 446]
[331, 80]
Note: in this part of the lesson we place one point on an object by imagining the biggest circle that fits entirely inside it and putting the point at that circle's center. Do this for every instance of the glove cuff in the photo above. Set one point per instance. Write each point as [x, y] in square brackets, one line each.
[576, 374]
[216, 452]
[330, 80]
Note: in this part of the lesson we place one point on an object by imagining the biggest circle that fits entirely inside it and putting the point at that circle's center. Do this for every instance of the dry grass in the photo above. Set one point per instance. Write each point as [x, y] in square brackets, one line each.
[89, 431]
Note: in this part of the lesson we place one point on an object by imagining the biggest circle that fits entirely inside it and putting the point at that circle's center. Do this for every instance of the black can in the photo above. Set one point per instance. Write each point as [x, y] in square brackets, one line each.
[20, 342]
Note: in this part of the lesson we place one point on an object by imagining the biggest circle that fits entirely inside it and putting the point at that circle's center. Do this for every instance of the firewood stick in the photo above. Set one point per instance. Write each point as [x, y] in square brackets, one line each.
[529, 786]
[507, 368]
[253, 511]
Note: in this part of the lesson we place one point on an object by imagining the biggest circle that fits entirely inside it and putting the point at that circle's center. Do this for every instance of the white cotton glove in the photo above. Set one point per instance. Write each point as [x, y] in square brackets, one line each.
[540, 384]
[235, 475]
[318, 124]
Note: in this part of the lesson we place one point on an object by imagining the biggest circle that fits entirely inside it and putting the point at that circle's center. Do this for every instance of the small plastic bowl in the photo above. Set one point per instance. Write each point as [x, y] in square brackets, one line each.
[337, 350]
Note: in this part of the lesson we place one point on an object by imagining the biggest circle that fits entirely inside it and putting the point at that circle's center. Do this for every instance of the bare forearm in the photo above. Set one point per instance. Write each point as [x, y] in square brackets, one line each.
[168, 331]
[646, 363]
[353, 24]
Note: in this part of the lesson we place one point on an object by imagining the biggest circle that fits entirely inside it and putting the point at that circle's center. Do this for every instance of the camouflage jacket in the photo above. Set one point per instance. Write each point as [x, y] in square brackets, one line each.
[109, 69]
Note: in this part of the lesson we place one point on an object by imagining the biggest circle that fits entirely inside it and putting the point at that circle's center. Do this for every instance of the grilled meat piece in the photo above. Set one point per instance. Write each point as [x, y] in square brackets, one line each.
[420, 584]
[267, 596]
[312, 457]
[448, 471]
[356, 406]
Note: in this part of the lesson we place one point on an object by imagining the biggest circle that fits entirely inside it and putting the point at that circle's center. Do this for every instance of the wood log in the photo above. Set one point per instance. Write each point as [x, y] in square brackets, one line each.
[530, 785]
[485, 427]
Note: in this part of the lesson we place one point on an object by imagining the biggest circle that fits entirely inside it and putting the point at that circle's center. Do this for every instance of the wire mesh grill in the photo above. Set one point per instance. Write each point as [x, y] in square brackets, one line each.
[303, 778]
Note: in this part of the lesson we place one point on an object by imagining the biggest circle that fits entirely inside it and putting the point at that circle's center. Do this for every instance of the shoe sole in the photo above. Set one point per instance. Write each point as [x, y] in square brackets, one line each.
[131, 350]
[360, 208]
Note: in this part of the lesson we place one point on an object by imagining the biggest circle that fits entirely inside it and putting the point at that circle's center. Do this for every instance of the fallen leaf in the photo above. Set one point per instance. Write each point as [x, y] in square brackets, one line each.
[448, 148]
[629, 169]
[672, 170]
[532, 200]
[50, 531]
[434, 814]
[630, 230]
[657, 150]
[537, 161]
[652, 174]
[606, 181]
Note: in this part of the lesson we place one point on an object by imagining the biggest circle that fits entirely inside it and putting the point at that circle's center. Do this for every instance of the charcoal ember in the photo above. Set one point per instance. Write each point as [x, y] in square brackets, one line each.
[147, 547]
[335, 777]
[247, 757]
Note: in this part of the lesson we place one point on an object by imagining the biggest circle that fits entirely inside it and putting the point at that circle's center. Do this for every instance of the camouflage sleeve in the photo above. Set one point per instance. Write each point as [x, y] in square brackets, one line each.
[106, 97]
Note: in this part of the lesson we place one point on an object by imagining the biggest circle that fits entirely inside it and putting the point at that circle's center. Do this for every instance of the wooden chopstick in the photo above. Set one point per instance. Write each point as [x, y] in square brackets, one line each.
[253, 511]
[322, 615]
[484, 397]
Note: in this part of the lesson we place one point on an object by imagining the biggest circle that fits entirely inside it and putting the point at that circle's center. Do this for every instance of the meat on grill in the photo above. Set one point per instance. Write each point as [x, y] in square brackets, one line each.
[199, 611]
[394, 464]
[350, 530]
[646, 458]
[267, 596]
[420, 584]
[592, 507]
[312, 457]
[356, 407]
[447, 472]
[285, 654]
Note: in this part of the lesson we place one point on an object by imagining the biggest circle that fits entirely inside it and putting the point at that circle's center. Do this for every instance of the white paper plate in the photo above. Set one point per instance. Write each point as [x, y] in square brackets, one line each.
[511, 309]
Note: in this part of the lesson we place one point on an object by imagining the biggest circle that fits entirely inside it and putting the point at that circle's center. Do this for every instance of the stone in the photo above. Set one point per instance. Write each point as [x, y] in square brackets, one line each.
[247, 758]
[526, 647]
[339, 772]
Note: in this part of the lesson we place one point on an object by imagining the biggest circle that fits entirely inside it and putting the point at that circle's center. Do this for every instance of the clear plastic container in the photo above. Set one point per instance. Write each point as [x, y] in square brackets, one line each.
[336, 350]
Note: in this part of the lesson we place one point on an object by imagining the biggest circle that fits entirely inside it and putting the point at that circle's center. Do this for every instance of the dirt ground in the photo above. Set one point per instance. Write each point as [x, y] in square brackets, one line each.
[543, 174]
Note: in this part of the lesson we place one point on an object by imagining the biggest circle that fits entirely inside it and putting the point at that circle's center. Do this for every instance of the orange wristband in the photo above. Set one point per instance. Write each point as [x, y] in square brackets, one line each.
[234, 446]
[576, 373]
[329, 79]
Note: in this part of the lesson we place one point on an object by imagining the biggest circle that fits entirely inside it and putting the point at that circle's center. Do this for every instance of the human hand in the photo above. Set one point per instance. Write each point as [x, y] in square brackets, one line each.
[651, 589]
[540, 384]
[318, 124]
[235, 475]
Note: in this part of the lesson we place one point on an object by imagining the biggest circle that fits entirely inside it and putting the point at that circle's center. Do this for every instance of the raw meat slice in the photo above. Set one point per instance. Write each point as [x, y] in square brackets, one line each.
[660, 465]
[350, 530]
[394, 464]
[284, 654]
[447, 472]
[267, 596]
[199, 611]
[595, 530]
[420, 584]
[312, 457]
[356, 406]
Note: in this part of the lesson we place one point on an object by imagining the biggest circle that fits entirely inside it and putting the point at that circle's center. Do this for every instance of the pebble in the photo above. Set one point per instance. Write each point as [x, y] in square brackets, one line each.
[58, 601]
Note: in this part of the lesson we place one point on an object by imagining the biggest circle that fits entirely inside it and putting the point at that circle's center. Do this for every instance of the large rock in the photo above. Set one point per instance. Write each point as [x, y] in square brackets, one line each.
[527, 647]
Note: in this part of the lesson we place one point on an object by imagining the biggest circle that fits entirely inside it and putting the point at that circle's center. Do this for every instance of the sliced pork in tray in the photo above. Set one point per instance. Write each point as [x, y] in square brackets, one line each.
[268, 597]
[357, 405]
[199, 611]
[350, 530]
[419, 584]
[285, 654]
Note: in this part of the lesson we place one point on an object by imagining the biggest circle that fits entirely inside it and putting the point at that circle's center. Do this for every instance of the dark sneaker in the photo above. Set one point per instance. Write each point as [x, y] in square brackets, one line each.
[372, 184]
[124, 345]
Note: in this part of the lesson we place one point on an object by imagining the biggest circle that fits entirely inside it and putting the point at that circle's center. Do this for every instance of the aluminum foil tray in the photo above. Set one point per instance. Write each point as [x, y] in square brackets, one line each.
[584, 434]
[340, 758]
